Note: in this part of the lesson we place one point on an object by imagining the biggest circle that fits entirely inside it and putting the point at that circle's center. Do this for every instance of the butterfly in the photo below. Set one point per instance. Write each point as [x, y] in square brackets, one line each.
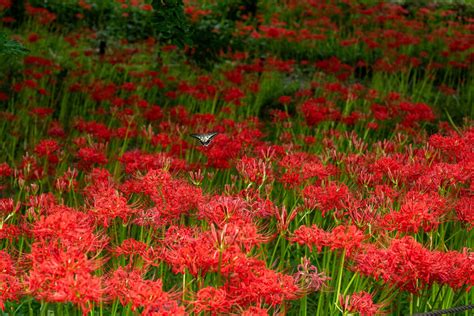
[205, 138]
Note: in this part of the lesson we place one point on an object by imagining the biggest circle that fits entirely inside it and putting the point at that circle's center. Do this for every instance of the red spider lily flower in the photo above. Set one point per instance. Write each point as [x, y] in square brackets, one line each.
[233, 95]
[348, 238]
[180, 114]
[44, 202]
[214, 300]
[67, 181]
[10, 232]
[417, 211]
[41, 112]
[411, 267]
[284, 99]
[279, 116]
[38, 61]
[315, 111]
[171, 197]
[128, 86]
[235, 76]
[29, 169]
[222, 151]
[56, 130]
[96, 129]
[415, 112]
[3, 96]
[48, 148]
[465, 210]
[7, 206]
[101, 92]
[255, 311]
[311, 236]
[129, 287]
[254, 170]
[360, 302]
[5, 170]
[89, 156]
[33, 37]
[250, 282]
[63, 274]
[137, 161]
[10, 284]
[73, 228]
[331, 197]
[259, 207]
[106, 203]
[5, 4]
[191, 249]
[43, 16]
[224, 209]
[166, 308]
[130, 247]
[308, 277]
[154, 113]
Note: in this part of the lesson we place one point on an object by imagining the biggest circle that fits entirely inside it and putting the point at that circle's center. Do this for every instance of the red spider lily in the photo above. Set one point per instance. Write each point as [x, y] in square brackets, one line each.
[5, 170]
[10, 283]
[29, 169]
[96, 129]
[190, 249]
[73, 228]
[129, 287]
[42, 15]
[88, 156]
[464, 210]
[417, 211]
[225, 209]
[347, 238]
[101, 92]
[5, 4]
[10, 232]
[63, 274]
[316, 111]
[235, 76]
[214, 300]
[222, 151]
[331, 197]
[67, 181]
[409, 266]
[41, 112]
[56, 130]
[139, 161]
[130, 248]
[284, 218]
[308, 277]
[104, 201]
[171, 197]
[360, 302]
[44, 202]
[254, 170]
[255, 311]
[48, 148]
[154, 113]
[233, 95]
[250, 282]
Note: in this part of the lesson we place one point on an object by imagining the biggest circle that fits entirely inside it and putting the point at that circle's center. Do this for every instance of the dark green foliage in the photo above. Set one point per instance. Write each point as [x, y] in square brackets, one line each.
[17, 11]
[209, 38]
[169, 21]
[9, 47]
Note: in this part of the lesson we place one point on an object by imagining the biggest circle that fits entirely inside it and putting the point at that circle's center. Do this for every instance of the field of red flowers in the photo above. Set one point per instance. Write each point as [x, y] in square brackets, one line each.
[340, 180]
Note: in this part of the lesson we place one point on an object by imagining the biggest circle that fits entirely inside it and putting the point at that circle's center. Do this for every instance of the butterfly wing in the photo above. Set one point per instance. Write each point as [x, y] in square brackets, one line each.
[205, 138]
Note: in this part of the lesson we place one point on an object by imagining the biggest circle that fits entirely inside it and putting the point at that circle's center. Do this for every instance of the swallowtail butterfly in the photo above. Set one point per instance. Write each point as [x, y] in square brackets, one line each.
[205, 138]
